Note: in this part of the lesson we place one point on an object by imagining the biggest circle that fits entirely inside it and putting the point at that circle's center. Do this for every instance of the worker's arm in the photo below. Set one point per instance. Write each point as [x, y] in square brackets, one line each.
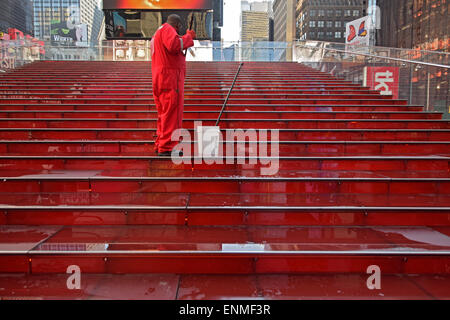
[174, 43]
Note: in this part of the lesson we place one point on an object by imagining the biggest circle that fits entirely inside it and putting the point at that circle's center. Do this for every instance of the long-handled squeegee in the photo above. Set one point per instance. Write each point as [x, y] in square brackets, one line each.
[190, 28]
[209, 136]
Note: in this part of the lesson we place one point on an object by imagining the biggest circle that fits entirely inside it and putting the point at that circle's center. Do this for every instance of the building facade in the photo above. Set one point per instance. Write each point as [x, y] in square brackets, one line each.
[255, 21]
[325, 20]
[83, 12]
[16, 14]
[418, 24]
[284, 20]
[255, 26]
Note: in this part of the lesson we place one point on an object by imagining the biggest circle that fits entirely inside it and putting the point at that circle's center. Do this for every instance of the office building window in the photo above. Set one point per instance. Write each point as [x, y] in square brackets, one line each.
[330, 13]
[312, 13]
[337, 24]
[338, 35]
[312, 24]
[320, 35]
[356, 13]
[347, 13]
[321, 13]
[320, 24]
[329, 34]
[338, 13]
[329, 24]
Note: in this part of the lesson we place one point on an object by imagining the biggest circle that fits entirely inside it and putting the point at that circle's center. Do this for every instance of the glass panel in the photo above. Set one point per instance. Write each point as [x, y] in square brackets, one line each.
[420, 77]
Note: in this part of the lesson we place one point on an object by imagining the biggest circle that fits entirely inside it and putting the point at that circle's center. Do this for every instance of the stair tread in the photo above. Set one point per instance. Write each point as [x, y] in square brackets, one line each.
[216, 175]
[157, 239]
[215, 201]
[223, 287]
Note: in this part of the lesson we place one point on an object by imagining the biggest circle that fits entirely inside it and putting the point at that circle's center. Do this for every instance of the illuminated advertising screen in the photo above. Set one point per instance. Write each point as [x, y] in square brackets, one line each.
[123, 24]
[140, 19]
[158, 4]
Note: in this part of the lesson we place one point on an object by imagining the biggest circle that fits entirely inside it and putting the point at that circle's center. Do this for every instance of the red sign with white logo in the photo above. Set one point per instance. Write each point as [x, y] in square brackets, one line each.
[383, 79]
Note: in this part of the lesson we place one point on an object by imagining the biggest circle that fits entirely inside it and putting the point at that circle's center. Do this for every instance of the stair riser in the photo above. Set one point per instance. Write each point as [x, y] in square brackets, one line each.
[146, 149]
[234, 186]
[219, 102]
[226, 264]
[206, 97]
[235, 217]
[126, 164]
[149, 135]
[216, 108]
[146, 86]
[39, 90]
[228, 123]
[227, 115]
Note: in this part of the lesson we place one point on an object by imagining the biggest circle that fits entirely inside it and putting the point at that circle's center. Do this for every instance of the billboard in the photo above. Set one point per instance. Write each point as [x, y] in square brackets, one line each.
[158, 4]
[140, 24]
[66, 34]
[383, 79]
[358, 32]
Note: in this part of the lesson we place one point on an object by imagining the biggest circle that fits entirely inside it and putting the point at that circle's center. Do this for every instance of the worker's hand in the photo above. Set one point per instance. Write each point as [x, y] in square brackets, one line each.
[192, 34]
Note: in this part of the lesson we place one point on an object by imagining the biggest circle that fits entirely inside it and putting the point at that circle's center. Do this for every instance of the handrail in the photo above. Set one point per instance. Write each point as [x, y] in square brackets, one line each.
[375, 56]
[377, 47]
[229, 93]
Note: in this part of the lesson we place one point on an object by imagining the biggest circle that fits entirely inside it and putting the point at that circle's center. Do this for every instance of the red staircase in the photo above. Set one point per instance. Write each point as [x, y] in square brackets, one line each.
[364, 180]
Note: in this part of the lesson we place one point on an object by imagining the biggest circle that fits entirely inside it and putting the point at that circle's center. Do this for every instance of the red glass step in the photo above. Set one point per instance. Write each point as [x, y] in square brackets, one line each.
[67, 89]
[57, 199]
[209, 183]
[229, 123]
[232, 101]
[330, 163]
[187, 250]
[220, 287]
[212, 107]
[226, 115]
[286, 148]
[189, 95]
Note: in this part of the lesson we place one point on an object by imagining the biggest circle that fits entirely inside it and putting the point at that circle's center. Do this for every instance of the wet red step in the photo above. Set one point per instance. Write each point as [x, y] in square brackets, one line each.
[329, 163]
[286, 148]
[234, 249]
[229, 123]
[363, 179]
[200, 114]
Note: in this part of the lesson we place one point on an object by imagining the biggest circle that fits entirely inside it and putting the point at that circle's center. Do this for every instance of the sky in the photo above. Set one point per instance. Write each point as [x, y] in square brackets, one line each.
[231, 19]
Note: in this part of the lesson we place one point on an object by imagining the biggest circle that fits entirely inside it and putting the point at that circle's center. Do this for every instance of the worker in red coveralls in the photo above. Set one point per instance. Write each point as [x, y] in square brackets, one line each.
[168, 74]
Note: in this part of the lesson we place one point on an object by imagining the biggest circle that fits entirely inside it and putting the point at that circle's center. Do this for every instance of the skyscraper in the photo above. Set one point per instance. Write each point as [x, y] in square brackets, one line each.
[67, 12]
[284, 20]
[326, 20]
[414, 24]
[255, 29]
[16, 14]
[284, 24]
[255, 21]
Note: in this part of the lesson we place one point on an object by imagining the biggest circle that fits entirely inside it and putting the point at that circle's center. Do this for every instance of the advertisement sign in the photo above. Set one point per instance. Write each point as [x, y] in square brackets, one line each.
[358, 32]
[383, 79]
[15, 34]
[139, 24]
[131, 50]
[158, 4]
[62, 33]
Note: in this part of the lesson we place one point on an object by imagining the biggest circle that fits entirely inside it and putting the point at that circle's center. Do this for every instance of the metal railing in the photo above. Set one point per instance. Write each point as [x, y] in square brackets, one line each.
[424, 83]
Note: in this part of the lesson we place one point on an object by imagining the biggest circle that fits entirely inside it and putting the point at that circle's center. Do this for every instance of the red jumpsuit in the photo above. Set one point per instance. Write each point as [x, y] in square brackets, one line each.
[168, 73]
